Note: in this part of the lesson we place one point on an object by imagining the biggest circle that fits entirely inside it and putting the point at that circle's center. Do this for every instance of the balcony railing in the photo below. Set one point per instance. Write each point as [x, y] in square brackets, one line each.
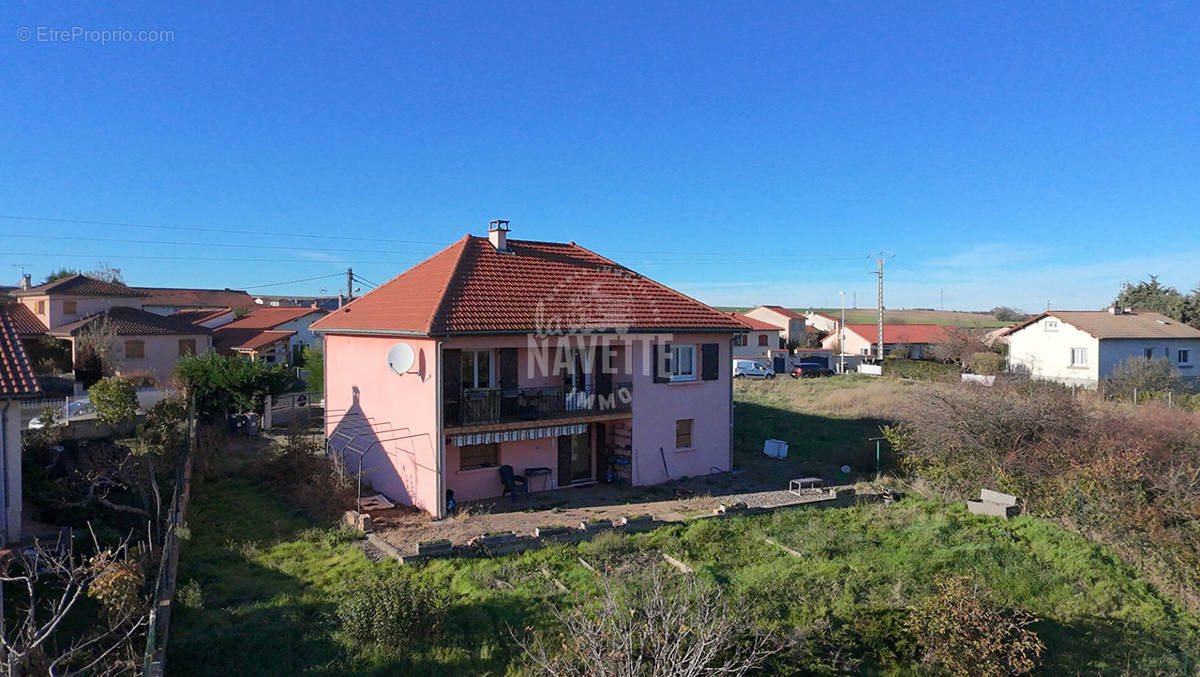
[478, 406]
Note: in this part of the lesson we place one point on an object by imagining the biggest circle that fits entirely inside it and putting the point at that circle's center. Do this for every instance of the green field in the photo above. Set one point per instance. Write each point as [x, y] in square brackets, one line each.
[263, 581]
[869, 315]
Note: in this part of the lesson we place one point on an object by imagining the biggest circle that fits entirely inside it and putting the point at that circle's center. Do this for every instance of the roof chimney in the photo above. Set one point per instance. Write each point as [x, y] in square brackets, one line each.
[498, 235]
[26, 281]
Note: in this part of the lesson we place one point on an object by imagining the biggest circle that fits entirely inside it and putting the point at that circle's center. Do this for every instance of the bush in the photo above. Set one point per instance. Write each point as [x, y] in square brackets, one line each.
[314, 368]
[988, 364]
[386, 607]
[227, 383]
[115, 400]
[1144, 376]
[963, 632]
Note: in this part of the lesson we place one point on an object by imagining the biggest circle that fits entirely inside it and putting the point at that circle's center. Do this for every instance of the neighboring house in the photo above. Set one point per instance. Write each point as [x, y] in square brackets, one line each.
[143, 343]
[789, 322]
[16, 381]
[261, 333]
[760, 342]
[997, 336]
[1082, 347]
[322, 302]
[169, 300]
[862, 339]
[205, 317]
[73, 298]
[822, 322]
[542, 356]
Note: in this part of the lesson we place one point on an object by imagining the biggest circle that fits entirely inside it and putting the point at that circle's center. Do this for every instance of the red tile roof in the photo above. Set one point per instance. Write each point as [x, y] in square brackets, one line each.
[469, 287]
[16, 374]
[199, 315]
[246, 338]
[753, 324]
[24, 320]
[901, 333]
[126, 321]
[196, 298]
[271, 317]
[782, 311]
[80, 285]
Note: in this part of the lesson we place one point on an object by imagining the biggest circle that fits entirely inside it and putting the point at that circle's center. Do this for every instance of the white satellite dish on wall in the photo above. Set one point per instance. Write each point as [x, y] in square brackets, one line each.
[400, 358]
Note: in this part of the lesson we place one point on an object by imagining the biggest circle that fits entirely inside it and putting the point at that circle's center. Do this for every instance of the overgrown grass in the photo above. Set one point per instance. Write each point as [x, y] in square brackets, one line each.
[270, 583]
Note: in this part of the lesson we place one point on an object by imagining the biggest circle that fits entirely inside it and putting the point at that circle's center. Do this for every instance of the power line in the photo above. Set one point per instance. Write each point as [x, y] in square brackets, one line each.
[94, 255]
[279, 284]
[199, 244]
[205, 229]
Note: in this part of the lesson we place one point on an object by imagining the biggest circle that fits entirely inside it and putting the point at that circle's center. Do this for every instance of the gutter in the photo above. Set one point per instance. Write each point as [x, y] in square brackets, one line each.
[440, 461]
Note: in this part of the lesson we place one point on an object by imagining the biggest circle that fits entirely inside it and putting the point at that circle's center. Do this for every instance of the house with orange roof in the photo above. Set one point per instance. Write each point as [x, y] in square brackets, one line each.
[541, 358]
[274, 334]
[16, 381]
[790, 323]
[142, 343]
[759, 342]
[861, 339]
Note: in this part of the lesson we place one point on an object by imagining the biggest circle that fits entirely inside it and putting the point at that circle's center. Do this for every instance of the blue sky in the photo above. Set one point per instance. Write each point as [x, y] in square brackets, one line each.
[744, 153]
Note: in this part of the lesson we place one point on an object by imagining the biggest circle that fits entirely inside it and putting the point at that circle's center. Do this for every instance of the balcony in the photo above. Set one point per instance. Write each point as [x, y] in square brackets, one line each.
[484, 406]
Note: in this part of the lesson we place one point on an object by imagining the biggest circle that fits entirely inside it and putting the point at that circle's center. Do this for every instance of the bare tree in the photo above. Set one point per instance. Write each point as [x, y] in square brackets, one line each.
[95, 350]
[656, 626]
[44, 584]
[959, 344]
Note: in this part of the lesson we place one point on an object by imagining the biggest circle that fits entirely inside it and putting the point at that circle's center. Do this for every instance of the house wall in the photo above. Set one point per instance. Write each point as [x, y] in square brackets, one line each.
[753, 350]
[304, 335]
[162, 352]
[656, 407]
[477, 483]
[821, 322]
[364, 398]
[1116, 351]
[788, 326]
[854, 345]
[1045, 352]
[10, 473]
[54, 317]
[218, 321]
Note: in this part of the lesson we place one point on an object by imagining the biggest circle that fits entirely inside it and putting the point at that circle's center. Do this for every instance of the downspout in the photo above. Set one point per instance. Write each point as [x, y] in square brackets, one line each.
[438, 427]
[729, 375]
[4, 461]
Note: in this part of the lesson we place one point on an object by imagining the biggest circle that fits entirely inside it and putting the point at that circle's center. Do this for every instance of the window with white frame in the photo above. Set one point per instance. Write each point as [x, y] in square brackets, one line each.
[476, 368]
[683, 363]
[1051, 325]
[1079, 357]
[1184, 357]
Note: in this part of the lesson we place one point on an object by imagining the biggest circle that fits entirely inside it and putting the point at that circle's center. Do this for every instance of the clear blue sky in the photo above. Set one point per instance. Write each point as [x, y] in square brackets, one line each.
[742, 152]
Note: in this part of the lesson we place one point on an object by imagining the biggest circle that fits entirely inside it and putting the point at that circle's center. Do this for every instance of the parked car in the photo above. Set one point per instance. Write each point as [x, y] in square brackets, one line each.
[75, 409]
[751, 369]
[811, 370]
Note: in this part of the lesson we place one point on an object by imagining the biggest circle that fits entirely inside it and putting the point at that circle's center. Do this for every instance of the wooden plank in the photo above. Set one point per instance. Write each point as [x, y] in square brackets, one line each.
[677, 564]
[783, 547]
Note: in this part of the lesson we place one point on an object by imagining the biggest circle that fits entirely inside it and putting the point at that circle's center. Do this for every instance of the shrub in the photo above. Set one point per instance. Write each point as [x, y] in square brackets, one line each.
[965, 633]
[115, 400]
[1145, 376]
[669, 627]
[988, 364]
[228, 383]
[386, 607]
[314, 368]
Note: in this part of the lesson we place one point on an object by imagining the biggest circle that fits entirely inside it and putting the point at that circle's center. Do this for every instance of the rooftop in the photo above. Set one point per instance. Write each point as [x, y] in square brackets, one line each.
[180, 297]
[901, 333]
[269, 317]
[469, 287]
[16, 373]
[24, 320]
[126, 321]
[782, 311]
[81, 285]
[753, 324]
[1134, 324]
[247, 338]
[199, 315]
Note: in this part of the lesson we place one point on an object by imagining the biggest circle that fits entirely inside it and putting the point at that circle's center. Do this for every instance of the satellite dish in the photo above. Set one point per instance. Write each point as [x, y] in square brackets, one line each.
[400, 358]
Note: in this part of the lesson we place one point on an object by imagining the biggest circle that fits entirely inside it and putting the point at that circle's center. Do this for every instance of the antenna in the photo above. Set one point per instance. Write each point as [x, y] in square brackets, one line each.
[400, 358]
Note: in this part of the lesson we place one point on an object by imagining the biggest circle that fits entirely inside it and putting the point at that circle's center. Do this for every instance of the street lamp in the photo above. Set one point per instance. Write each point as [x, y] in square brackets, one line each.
[842, 337]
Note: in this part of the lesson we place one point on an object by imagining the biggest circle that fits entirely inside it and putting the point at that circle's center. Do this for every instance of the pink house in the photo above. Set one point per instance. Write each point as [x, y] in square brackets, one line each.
[542, 356]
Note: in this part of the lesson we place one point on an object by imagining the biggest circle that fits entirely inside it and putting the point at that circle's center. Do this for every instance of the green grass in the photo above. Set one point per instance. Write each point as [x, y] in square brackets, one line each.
[270, 578]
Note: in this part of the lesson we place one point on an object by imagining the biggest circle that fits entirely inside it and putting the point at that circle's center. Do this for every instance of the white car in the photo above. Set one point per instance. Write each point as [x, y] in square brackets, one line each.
[751, 369]
[75, 409]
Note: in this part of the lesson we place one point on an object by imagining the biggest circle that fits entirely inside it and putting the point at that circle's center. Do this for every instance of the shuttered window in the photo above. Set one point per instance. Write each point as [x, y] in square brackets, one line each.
[135, 350]
[478, 456]
[683, 433]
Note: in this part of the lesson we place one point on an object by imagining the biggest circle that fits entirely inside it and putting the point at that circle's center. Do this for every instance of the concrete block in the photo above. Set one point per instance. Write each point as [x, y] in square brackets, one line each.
[991, 509]
[594, 527]
[989, 496]
[552, 532]
[358, 521]
[442, 547]
[637, 522]
[495, 540]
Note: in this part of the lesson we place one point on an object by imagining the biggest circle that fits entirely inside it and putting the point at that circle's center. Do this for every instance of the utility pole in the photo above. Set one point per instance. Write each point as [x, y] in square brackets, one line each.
[350, 284]
[842, 337]
[880, 318]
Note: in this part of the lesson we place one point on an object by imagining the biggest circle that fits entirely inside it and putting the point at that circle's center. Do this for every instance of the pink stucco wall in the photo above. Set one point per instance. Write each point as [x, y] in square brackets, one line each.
[359, 386]
[53, 317]
[161, 354]
[401, 438]
[656, 407]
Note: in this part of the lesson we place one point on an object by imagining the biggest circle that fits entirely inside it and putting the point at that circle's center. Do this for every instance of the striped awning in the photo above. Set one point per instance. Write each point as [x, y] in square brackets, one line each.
[517, 435]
